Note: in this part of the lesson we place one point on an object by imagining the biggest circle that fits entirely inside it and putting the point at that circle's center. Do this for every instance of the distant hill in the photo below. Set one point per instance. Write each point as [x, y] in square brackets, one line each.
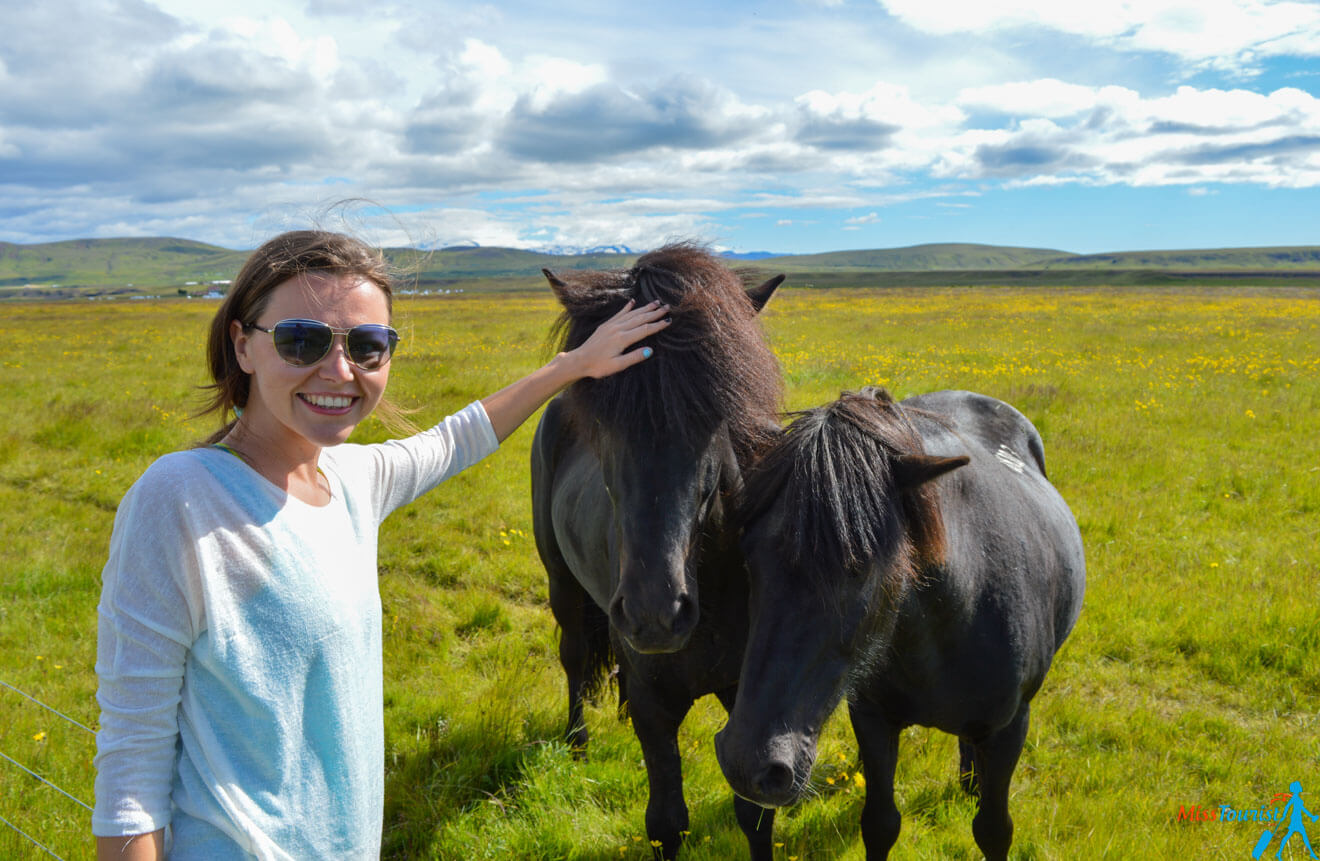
[166, 266]
[453, 264]
[1205, 260]
[924, 258]
[105, 262]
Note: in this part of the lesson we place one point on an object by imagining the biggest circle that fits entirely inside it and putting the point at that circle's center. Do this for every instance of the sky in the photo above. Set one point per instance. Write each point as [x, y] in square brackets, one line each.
[793, 126]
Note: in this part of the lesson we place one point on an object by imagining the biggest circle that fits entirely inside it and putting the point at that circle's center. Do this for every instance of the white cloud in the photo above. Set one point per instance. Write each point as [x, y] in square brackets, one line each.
[276, 38]
[1047, 97]
[1192, 136]
[885, 103]
[1219, 33]
[1098, 17]
[508, 125]
[546, 79]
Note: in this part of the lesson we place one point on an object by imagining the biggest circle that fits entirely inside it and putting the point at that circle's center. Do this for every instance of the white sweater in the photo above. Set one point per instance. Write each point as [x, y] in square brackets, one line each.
[239, 649]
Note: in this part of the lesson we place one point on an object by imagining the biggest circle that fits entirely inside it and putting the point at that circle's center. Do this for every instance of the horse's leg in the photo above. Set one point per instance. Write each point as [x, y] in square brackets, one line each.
[878, 743]
[655, 719]
[570, 604]
[996, 758]
[756, 822]
[967, 767]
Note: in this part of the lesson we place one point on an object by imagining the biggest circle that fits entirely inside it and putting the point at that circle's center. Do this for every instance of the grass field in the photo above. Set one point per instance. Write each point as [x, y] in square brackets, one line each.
[1179, 424]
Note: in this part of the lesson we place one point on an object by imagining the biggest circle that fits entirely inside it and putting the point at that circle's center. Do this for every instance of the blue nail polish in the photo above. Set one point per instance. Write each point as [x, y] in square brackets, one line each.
[646, 352]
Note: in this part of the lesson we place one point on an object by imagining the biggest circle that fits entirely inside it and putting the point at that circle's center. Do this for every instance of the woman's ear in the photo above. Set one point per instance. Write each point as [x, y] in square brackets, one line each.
[239, 335]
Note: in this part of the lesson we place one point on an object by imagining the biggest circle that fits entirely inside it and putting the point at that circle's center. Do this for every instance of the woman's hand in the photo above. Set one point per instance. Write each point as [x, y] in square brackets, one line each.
[603, 353]
[599, 356]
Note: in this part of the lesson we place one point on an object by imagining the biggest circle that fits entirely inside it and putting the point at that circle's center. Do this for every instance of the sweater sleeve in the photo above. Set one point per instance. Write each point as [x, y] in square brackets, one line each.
[402, 470]
[147, 618]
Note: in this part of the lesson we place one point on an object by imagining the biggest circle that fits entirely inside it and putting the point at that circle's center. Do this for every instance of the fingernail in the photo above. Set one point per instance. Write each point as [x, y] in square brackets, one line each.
[646, 352]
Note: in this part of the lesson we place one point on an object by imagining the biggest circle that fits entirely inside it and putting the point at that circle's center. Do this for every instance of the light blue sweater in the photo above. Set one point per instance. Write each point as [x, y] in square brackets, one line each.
[239, 650]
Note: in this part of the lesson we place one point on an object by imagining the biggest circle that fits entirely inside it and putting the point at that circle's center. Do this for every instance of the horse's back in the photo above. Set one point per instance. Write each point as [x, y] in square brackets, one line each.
[1004, 489]
[999, 427]
[1015, 559]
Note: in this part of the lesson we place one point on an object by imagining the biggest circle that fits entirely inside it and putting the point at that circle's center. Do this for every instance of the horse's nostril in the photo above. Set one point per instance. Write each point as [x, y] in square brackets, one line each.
[619, 614]
[685, 617]
[775, 781]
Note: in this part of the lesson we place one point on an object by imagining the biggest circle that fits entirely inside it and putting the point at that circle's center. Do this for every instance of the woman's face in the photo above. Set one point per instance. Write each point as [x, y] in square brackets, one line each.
[319, 404]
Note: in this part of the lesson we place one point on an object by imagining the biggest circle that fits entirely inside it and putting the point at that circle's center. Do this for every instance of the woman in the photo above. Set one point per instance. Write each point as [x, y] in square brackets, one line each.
[239, 643]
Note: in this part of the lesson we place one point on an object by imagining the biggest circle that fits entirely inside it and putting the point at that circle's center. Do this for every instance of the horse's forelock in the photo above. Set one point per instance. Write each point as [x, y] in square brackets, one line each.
[832, 470]
[711, 366]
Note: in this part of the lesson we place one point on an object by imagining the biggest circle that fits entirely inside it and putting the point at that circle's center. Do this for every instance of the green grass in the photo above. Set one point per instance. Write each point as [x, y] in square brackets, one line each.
[1179, 424]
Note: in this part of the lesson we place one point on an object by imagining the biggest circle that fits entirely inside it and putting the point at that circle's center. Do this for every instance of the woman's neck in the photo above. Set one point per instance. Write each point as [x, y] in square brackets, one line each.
[289, 465]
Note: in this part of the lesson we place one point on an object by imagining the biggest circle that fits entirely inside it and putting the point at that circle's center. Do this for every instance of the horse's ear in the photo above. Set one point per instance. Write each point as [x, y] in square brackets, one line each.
[913, 470]
[761, 295]
[557, 284]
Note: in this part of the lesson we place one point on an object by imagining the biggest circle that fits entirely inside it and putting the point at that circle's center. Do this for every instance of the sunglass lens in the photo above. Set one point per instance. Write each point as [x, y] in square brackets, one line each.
[302, 342]
[370, 346]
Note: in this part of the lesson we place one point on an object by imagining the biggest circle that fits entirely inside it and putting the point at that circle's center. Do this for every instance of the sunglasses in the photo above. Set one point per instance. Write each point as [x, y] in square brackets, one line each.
[305, 342]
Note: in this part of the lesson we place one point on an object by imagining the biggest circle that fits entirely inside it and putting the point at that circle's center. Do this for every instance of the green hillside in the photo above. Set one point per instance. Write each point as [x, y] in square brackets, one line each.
[1207, 260]
[167, 266]
[477, 263]
[156, 261]
[944, 257]
[83, 267]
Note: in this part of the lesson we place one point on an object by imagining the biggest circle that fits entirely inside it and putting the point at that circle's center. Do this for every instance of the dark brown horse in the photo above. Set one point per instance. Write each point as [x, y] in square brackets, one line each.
[913, 558]
[632, 482]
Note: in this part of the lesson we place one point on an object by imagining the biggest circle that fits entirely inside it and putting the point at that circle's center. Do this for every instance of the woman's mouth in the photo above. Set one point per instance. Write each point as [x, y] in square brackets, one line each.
[330, 405]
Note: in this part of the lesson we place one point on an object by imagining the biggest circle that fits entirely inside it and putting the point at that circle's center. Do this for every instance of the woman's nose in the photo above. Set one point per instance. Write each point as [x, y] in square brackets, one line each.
[336, 365]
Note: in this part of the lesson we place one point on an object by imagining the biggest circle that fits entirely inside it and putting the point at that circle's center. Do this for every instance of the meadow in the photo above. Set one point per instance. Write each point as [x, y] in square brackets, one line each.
[1180, 424]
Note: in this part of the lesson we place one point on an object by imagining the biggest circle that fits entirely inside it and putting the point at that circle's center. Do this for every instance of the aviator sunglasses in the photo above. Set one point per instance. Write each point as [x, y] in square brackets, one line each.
[305, 342]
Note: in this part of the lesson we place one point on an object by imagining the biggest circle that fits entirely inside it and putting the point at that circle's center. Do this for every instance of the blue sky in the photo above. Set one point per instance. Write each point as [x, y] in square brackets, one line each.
[791, 127]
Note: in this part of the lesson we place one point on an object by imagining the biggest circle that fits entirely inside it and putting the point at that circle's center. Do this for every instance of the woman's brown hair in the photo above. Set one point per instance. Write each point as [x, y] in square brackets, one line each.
[287, 256]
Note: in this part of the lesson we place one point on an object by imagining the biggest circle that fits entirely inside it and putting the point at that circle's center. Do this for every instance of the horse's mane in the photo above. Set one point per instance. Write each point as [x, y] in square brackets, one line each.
[833, 469]
[711, 367]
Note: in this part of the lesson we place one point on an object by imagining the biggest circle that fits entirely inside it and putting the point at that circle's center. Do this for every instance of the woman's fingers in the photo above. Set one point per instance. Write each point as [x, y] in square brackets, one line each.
[628, 312]
[636, 323]
[604, 352]
[633, 357]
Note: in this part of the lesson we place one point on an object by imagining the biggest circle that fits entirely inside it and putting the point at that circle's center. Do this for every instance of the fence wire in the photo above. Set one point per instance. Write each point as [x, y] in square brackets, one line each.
[34, 841]
[9, 758]
[81, 726]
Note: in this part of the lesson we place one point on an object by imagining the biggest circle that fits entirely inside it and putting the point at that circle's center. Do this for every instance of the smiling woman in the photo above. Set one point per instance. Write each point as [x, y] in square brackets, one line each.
[239, 640]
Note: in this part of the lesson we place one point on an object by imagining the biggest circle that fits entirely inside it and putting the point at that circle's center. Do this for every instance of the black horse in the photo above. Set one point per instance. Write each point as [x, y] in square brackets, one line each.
[633, 477]
[929, 600]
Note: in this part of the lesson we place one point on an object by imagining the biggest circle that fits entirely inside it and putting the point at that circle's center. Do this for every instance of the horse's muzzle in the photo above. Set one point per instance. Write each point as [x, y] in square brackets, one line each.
[664, 630]
[772, 774]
